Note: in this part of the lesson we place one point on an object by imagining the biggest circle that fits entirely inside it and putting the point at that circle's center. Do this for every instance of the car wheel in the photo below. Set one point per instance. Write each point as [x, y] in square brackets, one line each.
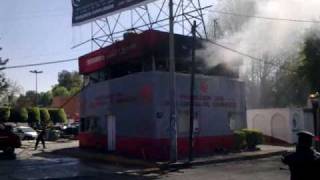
[9, 150]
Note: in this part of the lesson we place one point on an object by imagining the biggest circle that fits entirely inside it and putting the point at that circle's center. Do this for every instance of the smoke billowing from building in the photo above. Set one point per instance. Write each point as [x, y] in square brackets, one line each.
[260, 37]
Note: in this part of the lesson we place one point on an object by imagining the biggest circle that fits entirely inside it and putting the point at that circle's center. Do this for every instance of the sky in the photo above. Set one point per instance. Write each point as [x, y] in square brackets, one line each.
[36, 31]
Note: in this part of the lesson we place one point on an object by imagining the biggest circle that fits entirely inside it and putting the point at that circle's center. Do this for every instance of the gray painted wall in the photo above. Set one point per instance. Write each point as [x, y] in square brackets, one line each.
[140, 104]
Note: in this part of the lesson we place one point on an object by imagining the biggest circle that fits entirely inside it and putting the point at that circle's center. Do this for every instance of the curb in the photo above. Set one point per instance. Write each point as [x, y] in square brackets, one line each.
[153, 166]
[217, 161]
[117, 160]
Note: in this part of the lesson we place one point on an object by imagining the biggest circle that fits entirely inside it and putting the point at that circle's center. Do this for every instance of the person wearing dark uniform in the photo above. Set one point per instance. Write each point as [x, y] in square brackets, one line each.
[304, 163]
[41, 138]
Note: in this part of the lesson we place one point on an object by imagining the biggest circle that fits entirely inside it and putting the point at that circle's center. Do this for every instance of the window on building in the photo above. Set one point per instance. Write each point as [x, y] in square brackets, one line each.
[90, 124]
[184, 122]
[235, 121]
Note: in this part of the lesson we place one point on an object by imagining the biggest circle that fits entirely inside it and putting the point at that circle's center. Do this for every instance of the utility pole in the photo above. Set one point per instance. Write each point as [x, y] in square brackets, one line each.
[36, 73]
[172, 88]
[193, 55]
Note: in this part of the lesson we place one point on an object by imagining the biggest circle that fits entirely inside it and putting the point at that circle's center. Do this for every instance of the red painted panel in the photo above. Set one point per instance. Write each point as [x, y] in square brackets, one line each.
[129, 49]
[90, 140]
[157, 149]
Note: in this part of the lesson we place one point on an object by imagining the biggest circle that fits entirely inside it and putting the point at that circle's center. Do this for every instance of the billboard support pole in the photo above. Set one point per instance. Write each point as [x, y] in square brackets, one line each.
[172, 87]
[193, 54]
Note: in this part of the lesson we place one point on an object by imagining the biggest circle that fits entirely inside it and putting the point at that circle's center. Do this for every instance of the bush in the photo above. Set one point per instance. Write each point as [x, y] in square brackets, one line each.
[253, 138]
[34, 116]
[44, 116]
[19, 115]
[4, 114]
[58, 116]
[240, 140]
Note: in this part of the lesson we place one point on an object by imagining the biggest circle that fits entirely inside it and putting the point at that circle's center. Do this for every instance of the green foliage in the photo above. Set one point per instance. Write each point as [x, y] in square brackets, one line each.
[253, 137]
[240, 140]
[19, 115]
[58, 116]
[74, 90]
[45, 99]
[28, 99]
[34, 116]
[310, 64]
[69, 80]
[60, 91]
[3, 84]
[45, 117]
[4, 114]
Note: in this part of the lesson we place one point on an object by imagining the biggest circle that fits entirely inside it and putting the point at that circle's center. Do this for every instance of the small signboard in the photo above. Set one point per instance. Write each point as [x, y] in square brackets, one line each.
[88, 10]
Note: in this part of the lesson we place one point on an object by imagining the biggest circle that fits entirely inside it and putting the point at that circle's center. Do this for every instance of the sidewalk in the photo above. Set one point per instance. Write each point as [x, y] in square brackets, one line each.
[265, 151]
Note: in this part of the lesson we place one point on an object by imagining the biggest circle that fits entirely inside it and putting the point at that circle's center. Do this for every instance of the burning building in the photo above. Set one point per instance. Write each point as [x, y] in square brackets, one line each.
[125, 107]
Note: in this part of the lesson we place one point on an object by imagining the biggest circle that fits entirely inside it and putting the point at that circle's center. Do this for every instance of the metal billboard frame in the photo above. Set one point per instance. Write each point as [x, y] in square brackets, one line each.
[110, 29]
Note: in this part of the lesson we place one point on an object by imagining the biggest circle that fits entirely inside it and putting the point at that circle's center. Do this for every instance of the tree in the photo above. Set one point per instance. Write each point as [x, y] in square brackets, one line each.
[58, 116]
[74, 90]
[69, 80]
[34, 116]
[3, 80]
[4, 114]
[60, 91]
[19, 115]
[45, 99]
[310, 62]
[45, 117]
[27, 100]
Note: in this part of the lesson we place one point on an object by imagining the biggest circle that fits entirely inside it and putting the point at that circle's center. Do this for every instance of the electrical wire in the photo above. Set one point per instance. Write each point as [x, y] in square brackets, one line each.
[41, 64]
[264, 17]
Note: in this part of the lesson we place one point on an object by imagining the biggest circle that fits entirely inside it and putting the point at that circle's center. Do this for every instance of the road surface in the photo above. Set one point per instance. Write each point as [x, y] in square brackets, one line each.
[39, 164]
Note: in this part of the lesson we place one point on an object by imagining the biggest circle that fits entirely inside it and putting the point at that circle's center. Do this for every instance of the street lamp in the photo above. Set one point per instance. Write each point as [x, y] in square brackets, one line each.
[314, 98]
[36, 73]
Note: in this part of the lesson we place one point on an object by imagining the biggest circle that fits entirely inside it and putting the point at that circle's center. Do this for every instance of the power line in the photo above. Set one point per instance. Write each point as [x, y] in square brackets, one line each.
[250, 56]
[41, 64]
[264, 17]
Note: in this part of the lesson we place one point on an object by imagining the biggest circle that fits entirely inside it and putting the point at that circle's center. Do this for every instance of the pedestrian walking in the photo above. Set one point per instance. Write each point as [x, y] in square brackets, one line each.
[40, 137]
[304, 163]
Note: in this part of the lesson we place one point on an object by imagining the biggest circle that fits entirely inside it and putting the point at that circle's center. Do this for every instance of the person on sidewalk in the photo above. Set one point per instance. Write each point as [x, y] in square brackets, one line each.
[40, 137]
[304, 163]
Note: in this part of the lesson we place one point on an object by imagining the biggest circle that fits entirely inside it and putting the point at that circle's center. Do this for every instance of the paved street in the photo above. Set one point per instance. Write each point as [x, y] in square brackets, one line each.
[40, 164]
[263, 169]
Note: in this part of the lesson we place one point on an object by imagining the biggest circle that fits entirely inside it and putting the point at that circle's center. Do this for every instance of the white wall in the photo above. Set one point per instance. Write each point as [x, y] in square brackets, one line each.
[280, 123]
[271, 122]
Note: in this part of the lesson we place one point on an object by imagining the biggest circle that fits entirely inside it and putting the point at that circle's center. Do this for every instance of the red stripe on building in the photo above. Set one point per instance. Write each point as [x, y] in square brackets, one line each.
[156, 149]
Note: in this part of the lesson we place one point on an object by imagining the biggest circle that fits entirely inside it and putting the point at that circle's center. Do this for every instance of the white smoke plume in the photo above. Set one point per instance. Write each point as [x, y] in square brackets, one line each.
[259, 37]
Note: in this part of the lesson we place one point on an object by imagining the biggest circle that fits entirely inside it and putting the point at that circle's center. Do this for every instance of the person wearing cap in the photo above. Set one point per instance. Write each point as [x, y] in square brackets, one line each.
[304, 163]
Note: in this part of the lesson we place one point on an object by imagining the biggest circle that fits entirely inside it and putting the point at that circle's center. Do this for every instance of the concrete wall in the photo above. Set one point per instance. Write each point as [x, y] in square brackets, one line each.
[140, 104]
[279, 123]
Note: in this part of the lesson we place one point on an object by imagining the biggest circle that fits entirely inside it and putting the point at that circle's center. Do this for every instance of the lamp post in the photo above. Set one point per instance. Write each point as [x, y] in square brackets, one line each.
[314, 98]
[36, 72]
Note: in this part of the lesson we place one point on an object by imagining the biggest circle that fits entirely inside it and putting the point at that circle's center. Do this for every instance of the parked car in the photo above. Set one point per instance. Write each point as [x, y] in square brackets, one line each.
[8, 140]
[25, 132]
[71, 130]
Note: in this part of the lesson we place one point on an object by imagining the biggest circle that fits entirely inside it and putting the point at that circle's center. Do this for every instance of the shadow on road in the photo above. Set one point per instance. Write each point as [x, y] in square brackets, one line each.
[4, 156]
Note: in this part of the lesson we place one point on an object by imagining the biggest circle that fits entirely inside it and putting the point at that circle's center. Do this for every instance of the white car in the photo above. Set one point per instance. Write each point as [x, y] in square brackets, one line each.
[25, 133]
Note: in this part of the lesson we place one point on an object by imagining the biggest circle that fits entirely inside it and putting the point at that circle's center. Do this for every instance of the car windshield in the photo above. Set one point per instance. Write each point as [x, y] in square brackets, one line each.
[27, 129]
